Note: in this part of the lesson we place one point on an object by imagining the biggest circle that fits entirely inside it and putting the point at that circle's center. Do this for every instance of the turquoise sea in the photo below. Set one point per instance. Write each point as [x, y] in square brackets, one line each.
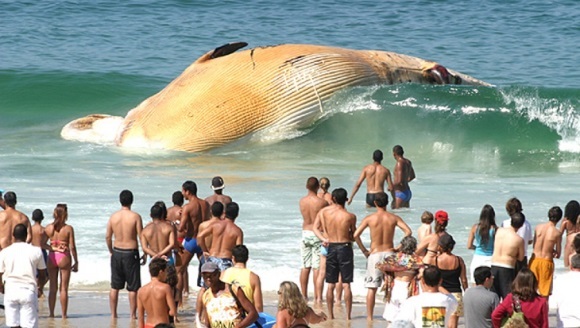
[61, 60]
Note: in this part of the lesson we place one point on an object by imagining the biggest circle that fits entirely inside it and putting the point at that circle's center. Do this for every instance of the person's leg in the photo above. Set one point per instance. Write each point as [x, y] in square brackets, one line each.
[319, 282]
[133, 304]
[339, 290]
[330, 300]
[371, 294]
[304, 273]
[64, 281]
[347, 299]
[52, 289]
[113, 301]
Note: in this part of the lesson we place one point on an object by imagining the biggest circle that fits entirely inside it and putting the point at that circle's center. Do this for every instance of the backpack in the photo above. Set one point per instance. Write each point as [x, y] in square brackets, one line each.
[517, 319]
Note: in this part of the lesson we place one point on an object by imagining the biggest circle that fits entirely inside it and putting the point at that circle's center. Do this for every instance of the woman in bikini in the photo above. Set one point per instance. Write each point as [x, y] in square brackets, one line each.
[62, 241]
[570, 227]
[428, 246]
[293, 310]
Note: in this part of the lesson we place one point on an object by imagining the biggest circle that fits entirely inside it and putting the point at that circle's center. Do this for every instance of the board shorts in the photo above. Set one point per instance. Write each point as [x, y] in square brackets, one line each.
[503, 278]
[459, 298]
[310, 250]
[20, 305]
[374, 277]
[222, 263]
[476, 262]
[190, 245]
[399, 294]
[404, 195]
[371, 199]
[339, 261]
[125, 268]
[543, 269]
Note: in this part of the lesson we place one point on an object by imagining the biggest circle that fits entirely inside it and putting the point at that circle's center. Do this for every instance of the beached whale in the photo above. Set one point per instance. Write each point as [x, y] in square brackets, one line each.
[226, 95]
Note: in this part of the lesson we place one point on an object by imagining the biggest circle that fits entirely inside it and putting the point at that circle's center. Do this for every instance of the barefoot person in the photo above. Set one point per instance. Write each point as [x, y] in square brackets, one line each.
[9, 218]
[123, 231]
[60, 258]
[19, 264]
[218, 185]
[508, 249]
[382, 226]
[547, 246]
[376, 175]
[157, 238]
[155, 302]
[310, 245]
[402, 175]
[338, 227]
[40, 240]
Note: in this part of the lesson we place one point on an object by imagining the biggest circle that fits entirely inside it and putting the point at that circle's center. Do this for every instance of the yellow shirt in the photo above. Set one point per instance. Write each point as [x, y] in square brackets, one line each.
[239, 277]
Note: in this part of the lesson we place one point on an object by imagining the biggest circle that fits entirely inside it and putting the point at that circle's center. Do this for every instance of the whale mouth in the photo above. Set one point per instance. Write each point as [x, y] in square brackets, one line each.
[95, 128]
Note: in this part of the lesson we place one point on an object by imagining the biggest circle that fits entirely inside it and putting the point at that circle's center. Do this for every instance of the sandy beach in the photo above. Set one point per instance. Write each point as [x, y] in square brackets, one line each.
[91, 309]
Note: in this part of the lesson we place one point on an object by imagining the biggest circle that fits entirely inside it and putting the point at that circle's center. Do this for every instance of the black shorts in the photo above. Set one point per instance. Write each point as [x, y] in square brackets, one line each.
[502, 282]
[340, 260]
[125, 268]
[371, 200]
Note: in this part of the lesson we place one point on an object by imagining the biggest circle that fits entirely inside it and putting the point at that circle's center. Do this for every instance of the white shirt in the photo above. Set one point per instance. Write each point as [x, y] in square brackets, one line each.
[428, 310]
[524, 231]
[565, 296]
[19, 263]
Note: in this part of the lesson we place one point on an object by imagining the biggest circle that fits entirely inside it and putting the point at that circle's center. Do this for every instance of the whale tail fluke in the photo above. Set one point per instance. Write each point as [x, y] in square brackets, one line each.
[95, 128]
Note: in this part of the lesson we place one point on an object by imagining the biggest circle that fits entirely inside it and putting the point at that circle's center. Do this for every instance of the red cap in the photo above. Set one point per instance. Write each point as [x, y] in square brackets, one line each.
[441, 216]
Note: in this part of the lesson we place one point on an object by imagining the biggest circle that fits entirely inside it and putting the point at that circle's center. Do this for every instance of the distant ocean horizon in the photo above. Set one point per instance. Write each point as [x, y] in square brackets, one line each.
[470, 146]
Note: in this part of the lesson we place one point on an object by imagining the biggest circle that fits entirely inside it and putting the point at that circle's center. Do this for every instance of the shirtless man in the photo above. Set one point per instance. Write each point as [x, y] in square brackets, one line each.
[507, 250]
[125, 226]
[225, 235]
[402, 175]
[310, 245]
[376, 175]
[218, 185]
[547, 246]
[157, 238]
[382, 226]
[174, 216]
[338, 227]
[217, 214]
[155, 298]
[40, 239]
[11, 217]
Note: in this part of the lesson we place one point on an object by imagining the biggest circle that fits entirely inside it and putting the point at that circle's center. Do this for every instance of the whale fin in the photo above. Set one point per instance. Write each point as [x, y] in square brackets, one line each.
[221, 51]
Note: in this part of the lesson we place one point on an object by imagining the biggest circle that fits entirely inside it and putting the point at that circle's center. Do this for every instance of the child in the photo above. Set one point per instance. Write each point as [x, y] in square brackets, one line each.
[40, 239]
[425, 228]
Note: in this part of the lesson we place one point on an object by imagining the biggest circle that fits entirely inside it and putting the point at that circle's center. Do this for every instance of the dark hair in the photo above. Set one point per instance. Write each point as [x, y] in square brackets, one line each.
[398, 150]
[518, 219]
[555, 214]
[324, 179]
[381, 199]
[217, 209]
[177, 198]
[575, 261]
[10, 199]
[163, 209]
[171, 279]
[312, 184]
[440, 227]
[157, 265]
[513, 205]
[378, 156]
[37, 215]
[20, 232]
[240, 253]
[408, 245]
[339, 196]
[432, 276]
[576, 243]
[486, 221]
[156, 212]
[572, 211]
[480, 274]
[232, 210]
[126, 198]
[190, 186]
[525, 285]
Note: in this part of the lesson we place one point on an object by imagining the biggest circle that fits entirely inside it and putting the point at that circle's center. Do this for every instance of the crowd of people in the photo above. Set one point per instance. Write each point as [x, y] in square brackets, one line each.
[425, 284]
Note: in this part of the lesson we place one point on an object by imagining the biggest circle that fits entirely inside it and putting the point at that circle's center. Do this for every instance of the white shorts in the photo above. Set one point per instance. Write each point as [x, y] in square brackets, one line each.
[374, 277]
[20, 306]
[399, 294]
[476, 262]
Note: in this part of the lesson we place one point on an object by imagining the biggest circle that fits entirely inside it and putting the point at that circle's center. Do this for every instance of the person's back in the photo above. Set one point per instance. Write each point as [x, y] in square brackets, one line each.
[507, 247]
[155, 299]
[9, 218]
[376, 175]
[382, 229]
[125, 225]
[310, 205]
[218, 185]
[338, 224]
[478, 301]
[226, 234]
[157, 237]
[547, 245]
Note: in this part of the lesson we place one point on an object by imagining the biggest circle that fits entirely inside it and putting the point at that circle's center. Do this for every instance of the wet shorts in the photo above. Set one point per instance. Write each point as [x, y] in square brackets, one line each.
[371, 199]
[190, 245]
[339, 261]
[222, 263]
[503, 278]
[125, 268]
[374, 277]
[310, 250]
[543, 269]
[404, 195]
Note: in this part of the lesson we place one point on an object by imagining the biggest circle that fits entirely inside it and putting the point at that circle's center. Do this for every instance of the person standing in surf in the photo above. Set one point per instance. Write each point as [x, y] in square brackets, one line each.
[402, 175]
[376, 175]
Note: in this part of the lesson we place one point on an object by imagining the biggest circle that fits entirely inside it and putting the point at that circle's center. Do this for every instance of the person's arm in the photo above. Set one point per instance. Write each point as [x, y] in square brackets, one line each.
[357, 239]
[397, 174]
[404, 226]
[240, 239]
[257, 288]
[463, 275]
[140, 313]
[501, 311]
[319, 228]
[251, 312]
[529, 233]
[281, 321]
[201, 239]
[171, 245]
[411, 172]
[390, 183]
[145, 247]
[170, 301]
[471, 237]
[184, 218]
[314, 318]
[423, 244]
[357, 186]
[29, 229]
[352, 227]
[73, 250]
[564, 226]
[109, 237]
[558, 250]
[521, 251]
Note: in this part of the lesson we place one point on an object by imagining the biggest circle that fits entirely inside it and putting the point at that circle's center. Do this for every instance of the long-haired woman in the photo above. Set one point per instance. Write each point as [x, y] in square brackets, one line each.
[60, 258]
[481, 239]
[570, 226]
[293, 310]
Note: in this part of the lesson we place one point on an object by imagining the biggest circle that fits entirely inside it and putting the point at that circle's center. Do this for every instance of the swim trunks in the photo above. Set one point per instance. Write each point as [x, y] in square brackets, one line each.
[340, 260]
[543, 269]
[125, 268]
[371, 199]
[222, 263]
[190, 245]
[374, 277]
[200, 282]
[310, 250]
[404, 195]
[503, 278]
[323, 251]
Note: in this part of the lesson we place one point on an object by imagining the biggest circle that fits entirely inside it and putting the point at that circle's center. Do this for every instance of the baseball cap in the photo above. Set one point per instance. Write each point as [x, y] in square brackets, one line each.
[209, 267]
[217, 183]
[441, 216]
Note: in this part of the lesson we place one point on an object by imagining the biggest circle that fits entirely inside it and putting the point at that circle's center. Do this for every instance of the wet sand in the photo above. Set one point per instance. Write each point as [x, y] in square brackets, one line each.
[91, 309]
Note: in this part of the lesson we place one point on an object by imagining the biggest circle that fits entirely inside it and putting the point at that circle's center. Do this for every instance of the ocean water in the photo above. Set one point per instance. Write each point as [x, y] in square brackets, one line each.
[470, 146]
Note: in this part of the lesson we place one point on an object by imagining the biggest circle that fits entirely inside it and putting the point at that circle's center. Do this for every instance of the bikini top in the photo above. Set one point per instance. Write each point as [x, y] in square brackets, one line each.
[450, 278]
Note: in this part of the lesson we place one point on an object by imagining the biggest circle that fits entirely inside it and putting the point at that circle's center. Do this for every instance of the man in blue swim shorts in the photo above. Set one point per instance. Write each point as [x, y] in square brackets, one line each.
[403, 174]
